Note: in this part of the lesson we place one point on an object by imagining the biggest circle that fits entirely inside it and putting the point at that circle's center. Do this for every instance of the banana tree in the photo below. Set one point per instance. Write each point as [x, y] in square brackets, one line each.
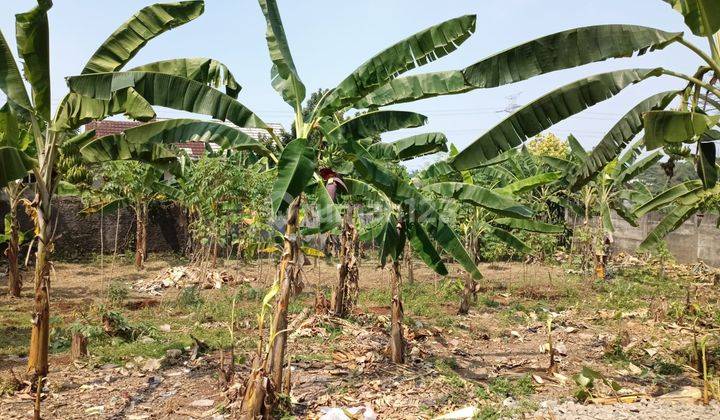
[614, 188]
[492, 202]
[14, 135]
[51, 132]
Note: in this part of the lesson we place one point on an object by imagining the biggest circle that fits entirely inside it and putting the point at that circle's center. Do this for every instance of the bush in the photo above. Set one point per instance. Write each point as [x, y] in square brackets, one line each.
[117, 293]
[190, 297]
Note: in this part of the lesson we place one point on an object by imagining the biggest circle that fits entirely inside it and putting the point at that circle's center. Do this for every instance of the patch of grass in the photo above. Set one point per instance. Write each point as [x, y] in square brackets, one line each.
[486, 301]
[115, 350]
[312, 357]
[508, 387]
[663, 367]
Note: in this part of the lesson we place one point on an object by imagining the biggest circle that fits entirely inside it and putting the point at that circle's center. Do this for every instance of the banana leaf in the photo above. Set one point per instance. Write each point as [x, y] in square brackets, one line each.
[617, 139]
[295, 169]
[284, 76]
[668, 196]
[377, 122]
[706, 164]
[169, 91]
[546, 111]
[150, 142]
[33, 44]
[123, 44]
[424, 248]
[417, 50]
[482, 197]
[409, 147]
[529, 225]
[701, 16]
[566, 49]
[11, 83]
[204, 70]
[76, 110]
[14, 165]
[663, 127]
[416, 87]
[510, 240]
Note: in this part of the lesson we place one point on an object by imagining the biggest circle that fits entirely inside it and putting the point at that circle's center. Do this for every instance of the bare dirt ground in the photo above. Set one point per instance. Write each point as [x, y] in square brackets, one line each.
[639, 330]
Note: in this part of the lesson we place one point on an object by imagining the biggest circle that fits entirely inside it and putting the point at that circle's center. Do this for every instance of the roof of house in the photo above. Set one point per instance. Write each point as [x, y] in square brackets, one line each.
[193, 148]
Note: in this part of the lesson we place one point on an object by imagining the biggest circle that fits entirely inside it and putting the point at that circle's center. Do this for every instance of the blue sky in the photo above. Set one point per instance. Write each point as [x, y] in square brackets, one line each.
[329, 39]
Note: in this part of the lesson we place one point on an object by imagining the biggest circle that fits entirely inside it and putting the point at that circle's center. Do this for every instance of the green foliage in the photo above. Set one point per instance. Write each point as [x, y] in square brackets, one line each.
[189, 297]
[506, 387]
[228, 202]
[117, 293]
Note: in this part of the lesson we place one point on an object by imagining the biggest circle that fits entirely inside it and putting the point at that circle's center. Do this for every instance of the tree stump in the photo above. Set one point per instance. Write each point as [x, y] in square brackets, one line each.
[79, 348]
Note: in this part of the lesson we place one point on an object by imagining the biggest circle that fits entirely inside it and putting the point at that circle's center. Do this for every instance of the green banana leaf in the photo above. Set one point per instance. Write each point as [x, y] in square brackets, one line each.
[663, 127]
[401, 192]
[510, 240]
[701, 16]
[677, 216]
[668, 196]
[617, 139]
[529, 225]
[150, 142]
[416, 87]
[637, 168]
[367, 193]
[576, 148]
[417, 50]
[33, 44]
[566, 49]
[169, 91]
[482, 197]
[706, 164]
[424, 248]
[285, 78]
[203, 70]
[546, 111]
[9, 130]
[392, 242]
[529, 183]
[14, 164]
[409, 147]
[327, 211]
[76, 110]
[377, 122]
[295, 169]
[10, 80]
[123, 44]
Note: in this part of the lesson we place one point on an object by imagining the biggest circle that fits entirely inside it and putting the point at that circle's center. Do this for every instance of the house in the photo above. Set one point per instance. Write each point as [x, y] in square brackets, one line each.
[194, 149]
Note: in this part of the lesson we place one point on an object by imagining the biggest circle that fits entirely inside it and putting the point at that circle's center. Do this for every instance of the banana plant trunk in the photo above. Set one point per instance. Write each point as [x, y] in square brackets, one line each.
[409, 262]
[346, 294]
[397, 342]
[288, 272]
[266, 378]
[467, 294]
[40, 333]
[141, 221]
[13, 250]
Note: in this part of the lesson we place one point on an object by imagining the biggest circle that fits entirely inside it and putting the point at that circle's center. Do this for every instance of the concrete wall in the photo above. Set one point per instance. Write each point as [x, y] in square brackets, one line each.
[78, 235]
[695, 240]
